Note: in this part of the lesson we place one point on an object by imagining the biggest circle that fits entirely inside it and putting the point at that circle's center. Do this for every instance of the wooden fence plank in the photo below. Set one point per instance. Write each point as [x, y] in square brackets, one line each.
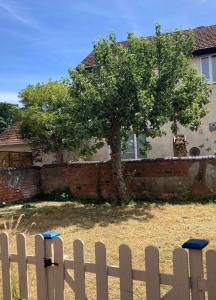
[40, 270]
[59, 269]
[22, 266]
[196, 272]
[50, 269]
[79, 270]
[211, 274]
[125, 266]
[4, 246]
[101, 271]
[181, 284]
[152, 273]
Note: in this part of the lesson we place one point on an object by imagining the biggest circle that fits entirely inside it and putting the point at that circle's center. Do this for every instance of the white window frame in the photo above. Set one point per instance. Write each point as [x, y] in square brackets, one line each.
[210, 67]
[135, 146]
[135, 150]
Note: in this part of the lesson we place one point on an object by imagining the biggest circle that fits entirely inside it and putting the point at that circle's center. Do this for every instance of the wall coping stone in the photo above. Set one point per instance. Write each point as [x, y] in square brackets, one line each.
[165, 159]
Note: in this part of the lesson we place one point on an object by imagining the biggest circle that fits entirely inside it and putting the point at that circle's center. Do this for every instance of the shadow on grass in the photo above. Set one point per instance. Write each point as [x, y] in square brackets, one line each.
[81, 216]
[87, 214]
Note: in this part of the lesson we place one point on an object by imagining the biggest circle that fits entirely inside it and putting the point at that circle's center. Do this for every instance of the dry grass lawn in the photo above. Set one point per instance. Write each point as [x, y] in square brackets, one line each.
[167, 226]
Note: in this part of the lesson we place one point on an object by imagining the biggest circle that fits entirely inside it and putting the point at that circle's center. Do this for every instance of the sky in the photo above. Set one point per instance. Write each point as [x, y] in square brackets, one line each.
[41, 39]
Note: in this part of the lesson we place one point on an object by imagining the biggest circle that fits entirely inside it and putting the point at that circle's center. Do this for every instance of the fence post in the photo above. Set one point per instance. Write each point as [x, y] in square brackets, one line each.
[195, 247]
[49, 236]
[5, 266]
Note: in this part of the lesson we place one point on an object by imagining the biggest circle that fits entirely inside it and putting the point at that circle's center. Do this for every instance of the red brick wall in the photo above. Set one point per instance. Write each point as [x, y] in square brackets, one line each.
[162, 177]
[16, 183]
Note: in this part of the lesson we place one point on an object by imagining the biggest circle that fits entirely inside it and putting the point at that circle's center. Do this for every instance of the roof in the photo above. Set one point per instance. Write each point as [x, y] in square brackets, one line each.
[205, 42]
[205, 39]
[11, 136]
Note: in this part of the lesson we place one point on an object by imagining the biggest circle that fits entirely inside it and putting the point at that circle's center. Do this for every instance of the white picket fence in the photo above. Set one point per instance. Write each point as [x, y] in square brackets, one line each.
[53, 270]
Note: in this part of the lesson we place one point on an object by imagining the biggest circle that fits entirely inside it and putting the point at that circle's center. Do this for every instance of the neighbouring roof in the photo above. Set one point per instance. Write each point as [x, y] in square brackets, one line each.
[11, 136]
[205, 42]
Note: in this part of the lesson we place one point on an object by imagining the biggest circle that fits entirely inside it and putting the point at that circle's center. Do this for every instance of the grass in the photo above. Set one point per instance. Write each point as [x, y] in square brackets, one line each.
[166, 225]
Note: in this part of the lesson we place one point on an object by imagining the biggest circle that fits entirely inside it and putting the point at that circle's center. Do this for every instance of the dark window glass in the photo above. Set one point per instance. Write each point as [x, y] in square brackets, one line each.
[129, 153]
[141, 140]
[205, 67]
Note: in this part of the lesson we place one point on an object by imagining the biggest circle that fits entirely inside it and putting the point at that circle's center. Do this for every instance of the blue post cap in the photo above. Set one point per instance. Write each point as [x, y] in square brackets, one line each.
[49, 235]
[195, 244]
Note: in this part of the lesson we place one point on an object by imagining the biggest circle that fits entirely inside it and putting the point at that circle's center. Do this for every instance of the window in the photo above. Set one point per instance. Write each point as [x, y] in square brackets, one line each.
[134, 147]
[214, 68]
[208, 67]
[205, 67]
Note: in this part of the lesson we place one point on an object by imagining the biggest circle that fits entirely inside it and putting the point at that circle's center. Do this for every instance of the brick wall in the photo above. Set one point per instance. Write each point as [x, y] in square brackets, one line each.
[16, 183]
[162, 177]
[15, 159]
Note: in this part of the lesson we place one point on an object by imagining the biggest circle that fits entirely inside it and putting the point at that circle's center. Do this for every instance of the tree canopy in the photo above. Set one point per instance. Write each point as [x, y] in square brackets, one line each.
[139, 87]
[46, 123]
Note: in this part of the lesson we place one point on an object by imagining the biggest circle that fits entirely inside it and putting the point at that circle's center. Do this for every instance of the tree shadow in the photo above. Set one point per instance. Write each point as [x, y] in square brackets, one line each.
[82, 216]
[85, 216]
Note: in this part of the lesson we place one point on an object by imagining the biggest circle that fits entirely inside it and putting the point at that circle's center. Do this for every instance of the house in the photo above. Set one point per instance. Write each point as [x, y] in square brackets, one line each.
[15, 151]
[10, 140]
[202, 142]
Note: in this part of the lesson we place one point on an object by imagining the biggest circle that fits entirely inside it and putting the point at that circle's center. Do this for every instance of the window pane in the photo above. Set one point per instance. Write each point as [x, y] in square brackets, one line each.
[141, 139]
[205, 67]
[214, 68]
[129, 153]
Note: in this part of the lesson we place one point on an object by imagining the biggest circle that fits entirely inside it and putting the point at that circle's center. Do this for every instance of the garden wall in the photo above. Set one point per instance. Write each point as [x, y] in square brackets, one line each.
[17, 183]
[162, 177]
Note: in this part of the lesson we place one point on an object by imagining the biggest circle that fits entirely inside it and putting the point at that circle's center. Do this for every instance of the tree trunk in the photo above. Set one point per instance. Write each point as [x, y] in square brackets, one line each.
[115, 144]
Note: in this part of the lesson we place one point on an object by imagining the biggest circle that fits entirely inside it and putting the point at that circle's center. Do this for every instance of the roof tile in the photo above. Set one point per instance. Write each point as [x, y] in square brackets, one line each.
[205, 38]
[11, 135]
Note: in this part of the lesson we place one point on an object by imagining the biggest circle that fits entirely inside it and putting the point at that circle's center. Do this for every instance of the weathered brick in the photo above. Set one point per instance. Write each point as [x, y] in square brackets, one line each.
[16, 183]
[156, 176]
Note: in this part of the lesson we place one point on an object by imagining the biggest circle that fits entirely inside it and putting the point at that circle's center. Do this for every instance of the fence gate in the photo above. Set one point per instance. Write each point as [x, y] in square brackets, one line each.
[53, 270]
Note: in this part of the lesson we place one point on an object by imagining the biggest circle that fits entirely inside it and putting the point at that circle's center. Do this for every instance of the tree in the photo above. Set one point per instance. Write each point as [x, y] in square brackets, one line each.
[8, 115]
[139, 87]
[46, 123]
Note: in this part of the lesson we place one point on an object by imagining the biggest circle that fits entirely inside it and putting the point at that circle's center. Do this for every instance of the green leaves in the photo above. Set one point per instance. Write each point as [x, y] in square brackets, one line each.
[142, 84]
[139, 85]
[9, 113]
[47, 121]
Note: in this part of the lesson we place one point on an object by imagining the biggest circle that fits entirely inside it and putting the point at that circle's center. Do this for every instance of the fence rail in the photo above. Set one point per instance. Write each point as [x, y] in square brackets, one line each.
[53, 270]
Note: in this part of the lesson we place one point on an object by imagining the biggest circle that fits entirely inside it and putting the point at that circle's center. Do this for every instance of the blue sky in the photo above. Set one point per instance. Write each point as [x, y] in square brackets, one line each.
[40, 39]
